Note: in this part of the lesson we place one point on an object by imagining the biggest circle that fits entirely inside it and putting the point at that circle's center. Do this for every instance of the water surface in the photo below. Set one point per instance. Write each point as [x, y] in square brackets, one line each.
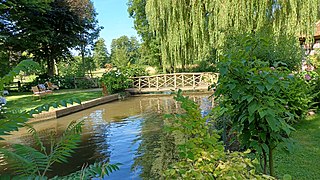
[129, 132]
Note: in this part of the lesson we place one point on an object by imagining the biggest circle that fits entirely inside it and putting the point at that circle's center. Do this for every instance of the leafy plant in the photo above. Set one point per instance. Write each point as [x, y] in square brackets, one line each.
[25, 65]
[94, 171]
[28, 161]
[266, 46]
[262, 101]
[116, 81]
[201, 154]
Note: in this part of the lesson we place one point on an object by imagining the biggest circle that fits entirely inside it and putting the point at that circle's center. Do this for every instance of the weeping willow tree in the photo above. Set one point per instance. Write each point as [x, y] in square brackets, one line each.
[190, 30]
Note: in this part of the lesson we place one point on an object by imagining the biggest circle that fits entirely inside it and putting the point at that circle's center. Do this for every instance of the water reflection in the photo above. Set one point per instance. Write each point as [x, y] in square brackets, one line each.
[128, 132]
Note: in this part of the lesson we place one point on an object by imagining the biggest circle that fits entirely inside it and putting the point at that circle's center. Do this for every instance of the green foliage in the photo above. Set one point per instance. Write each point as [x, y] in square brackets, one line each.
[133, 70]
[28, 161]
[201, 154]
[25, 65]
[266, 46]
[124, 51]
[313, 83]
[116, 81]
[12, 120]
[188, 30]
[261, 101]
[100, 53]
[64, 82]
[150, 47]
[46, 29]
[96, 171]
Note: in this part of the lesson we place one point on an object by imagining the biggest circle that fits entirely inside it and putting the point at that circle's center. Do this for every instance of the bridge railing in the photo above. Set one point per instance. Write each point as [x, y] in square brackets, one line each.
[175, 81]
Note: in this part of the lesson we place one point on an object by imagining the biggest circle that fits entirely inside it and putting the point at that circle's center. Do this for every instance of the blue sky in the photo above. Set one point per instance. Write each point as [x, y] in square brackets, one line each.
[113, 16]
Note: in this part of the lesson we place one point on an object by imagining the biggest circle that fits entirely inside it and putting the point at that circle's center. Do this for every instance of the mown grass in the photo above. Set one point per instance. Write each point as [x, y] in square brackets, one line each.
[303, 161]
[26, 101]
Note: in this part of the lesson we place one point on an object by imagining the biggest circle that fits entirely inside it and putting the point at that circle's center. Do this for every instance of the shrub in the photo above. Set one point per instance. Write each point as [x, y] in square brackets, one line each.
[134, 70]
[115, 81]
[201, 154]
[262, 101]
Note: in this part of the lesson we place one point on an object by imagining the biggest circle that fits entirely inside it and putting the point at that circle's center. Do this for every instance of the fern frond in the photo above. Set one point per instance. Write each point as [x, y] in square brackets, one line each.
[25, 160]
[12, 122]
[36, 138]
[97, 170]
[67, 143]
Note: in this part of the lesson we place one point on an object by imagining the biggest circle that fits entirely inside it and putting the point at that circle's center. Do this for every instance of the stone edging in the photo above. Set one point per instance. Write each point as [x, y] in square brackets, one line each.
[73, 108]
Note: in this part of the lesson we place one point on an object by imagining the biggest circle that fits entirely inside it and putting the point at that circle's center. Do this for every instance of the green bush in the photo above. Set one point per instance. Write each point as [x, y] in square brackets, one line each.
[267, 47]
[134, 70]
[64, 82]
[116, 81]
[261, 101]
[201, 154]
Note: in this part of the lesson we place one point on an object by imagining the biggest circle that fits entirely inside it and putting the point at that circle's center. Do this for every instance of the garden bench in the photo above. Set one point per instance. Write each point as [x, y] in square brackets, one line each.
[51, 86]
[40, 90]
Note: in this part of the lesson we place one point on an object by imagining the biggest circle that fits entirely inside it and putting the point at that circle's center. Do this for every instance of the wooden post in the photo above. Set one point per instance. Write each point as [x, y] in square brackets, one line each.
[157, 83]
[193, 82]
[139, 86]
[149, 82]
[175, 82]
[182, 80]
[165, 80]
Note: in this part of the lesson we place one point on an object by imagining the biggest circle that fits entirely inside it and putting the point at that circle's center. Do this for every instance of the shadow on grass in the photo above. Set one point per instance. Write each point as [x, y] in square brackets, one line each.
[303, 162]
[27, 102]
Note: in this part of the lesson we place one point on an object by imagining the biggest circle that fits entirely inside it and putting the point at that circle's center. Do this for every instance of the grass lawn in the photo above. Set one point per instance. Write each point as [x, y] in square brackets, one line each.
[26, 101]
[303, 162]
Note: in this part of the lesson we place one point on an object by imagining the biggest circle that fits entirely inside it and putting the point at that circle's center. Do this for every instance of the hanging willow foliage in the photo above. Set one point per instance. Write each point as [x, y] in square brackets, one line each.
[190, 29]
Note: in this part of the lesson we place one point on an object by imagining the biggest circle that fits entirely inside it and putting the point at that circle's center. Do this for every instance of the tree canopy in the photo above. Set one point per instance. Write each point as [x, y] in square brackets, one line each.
[192, 30]
[47, 29]
[124, 50]
[100, 53]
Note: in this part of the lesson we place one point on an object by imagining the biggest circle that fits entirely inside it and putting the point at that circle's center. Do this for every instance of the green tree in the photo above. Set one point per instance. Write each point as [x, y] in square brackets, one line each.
[100, 53]
[150, 48]
[261, 102]
[190, 30]
[46, 29]
[124, 50]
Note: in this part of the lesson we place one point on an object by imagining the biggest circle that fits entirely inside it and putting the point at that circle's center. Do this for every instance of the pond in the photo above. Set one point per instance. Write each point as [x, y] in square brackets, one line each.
[129, 132]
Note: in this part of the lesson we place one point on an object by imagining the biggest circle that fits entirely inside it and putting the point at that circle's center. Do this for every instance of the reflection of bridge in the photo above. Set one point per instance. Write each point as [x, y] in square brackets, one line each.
[168, 82]
[166, 105]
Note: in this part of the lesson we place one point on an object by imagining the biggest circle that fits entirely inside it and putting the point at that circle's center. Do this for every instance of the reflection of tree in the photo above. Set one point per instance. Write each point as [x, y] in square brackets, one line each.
[155, 150]
[157, 147]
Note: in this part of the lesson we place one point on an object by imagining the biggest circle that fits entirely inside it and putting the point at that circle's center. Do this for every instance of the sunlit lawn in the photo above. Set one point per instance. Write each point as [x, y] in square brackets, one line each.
[303, 162]
[26, 101]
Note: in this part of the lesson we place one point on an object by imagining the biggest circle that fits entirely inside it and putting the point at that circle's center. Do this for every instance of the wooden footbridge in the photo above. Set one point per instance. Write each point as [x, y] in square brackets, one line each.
[173, 82]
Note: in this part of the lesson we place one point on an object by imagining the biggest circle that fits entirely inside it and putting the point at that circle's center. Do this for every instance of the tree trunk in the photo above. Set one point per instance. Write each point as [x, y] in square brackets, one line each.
[83, 60]
[264, 161]
[271, 161]
[50, 68]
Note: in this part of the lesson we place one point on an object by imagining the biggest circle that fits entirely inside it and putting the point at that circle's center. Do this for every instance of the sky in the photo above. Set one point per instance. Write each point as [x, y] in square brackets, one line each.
[114, 17]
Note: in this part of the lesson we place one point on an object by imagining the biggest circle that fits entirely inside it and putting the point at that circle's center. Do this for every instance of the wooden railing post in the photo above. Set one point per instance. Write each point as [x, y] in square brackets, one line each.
[182, 80]
[139, 85]
[175, 82]
[193, 81]
[149, 82]
[157, 84]
[165, 80]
